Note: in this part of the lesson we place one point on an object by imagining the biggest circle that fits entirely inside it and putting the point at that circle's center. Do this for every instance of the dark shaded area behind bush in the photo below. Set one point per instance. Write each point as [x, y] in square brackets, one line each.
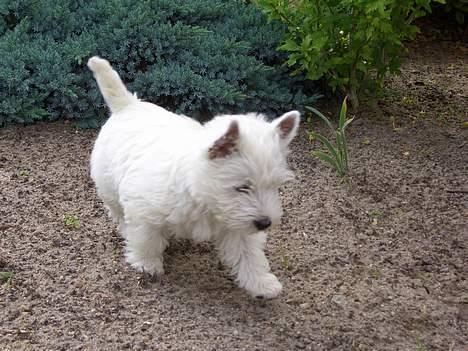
[197, 57]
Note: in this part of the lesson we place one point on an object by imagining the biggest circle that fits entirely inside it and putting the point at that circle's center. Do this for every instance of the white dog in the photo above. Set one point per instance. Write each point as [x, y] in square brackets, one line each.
[163, 175]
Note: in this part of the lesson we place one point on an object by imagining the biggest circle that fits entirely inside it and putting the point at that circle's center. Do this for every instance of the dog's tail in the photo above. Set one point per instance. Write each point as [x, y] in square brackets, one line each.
[112, 88]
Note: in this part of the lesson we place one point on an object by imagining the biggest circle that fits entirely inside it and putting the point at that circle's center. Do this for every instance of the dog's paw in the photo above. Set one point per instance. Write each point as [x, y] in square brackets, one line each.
[266, 286]
[152, 266]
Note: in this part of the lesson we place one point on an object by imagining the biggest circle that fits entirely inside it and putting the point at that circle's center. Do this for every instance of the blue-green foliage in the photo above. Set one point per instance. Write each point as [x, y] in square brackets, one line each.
[197, 57]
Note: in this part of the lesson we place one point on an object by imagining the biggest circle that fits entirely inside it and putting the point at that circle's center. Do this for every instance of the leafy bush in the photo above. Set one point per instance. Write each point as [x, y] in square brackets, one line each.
[195, 57]
[352, 43]
[459, 8]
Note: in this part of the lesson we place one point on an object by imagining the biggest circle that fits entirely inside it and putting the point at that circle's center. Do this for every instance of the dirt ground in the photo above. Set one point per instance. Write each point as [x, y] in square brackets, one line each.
[378, 263]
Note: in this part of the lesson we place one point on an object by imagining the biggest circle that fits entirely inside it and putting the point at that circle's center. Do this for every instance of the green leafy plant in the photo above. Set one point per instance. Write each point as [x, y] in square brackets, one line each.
[71, 221]
[375, 216]
[336, 155]
[459, 8]
[24, 173]
[376, 213]
[6, 277]
[190, 56]
[375, 273]
[285, 263]
[353, 44]
[420, 345]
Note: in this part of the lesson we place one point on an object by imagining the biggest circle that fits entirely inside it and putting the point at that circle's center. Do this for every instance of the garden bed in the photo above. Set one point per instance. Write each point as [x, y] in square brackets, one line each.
[378, 263]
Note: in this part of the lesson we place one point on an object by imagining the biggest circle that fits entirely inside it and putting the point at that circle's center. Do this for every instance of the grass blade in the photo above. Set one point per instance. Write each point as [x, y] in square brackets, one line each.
[340, 147]
[6, 276]
[344, 150]
[328, 159]
[344, 110]
[333, 151]
[325, 119]
[348, 121]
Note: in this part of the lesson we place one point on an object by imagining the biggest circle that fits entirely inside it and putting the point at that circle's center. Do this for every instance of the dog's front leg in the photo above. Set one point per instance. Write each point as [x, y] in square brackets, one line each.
[145, 247]
[245, 255]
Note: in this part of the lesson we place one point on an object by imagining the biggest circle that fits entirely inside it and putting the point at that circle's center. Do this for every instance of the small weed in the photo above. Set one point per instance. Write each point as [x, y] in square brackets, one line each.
[336, 155]
[71, 221]
[395, 126]
[375, 213]
[407, 100]
[285, 263]
[6, 277]
[375, 273]
[420, 346]
[310, 125]
[24, 173]
[285, 260]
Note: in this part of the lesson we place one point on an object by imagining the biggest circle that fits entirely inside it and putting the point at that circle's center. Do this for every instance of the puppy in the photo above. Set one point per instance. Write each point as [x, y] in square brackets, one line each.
[163, 175]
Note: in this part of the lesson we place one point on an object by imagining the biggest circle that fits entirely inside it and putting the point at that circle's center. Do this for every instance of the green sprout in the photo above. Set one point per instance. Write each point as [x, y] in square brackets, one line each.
[71, 221]
[6, 277]
[24, 173]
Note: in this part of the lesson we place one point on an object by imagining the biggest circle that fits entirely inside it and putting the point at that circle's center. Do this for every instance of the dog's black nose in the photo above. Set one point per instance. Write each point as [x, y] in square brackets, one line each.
[262, 223]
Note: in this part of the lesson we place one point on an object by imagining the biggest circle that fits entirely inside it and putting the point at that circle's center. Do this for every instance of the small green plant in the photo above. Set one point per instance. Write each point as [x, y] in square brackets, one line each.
[24, 173]
[71, 221]
[335, 155]
[407, 100]
[375, 273]
[6, 277]
[285, 263]
[375, 213]
[420, 345]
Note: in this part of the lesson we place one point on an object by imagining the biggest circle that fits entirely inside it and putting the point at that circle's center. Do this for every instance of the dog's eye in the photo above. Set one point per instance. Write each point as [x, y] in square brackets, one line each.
[246, 188]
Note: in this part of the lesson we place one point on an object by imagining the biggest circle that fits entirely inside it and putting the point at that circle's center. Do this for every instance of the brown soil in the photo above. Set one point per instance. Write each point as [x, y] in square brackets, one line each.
[378, 263]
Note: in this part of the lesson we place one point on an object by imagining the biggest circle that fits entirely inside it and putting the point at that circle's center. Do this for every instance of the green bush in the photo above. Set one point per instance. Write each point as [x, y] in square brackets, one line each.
[197, 57]
[459, 8]
[354, 44]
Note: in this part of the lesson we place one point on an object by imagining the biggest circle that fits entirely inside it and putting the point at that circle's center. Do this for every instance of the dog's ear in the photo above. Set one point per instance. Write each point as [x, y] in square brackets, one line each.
[227, 144]
[287, 126]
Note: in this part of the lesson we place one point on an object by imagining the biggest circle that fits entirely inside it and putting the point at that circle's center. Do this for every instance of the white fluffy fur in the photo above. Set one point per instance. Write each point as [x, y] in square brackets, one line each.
[153, 172]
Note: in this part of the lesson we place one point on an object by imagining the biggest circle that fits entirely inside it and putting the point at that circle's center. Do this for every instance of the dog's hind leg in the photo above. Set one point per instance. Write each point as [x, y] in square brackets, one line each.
[245, 255]
[145, 247]
[115, 210]
[116, 213]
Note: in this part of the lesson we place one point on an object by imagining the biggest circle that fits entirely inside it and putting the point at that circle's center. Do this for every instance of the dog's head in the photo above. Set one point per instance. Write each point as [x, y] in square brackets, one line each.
[244, 167]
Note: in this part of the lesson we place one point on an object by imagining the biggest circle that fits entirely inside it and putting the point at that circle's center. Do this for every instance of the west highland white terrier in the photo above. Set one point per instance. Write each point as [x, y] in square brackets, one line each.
[162, 175]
